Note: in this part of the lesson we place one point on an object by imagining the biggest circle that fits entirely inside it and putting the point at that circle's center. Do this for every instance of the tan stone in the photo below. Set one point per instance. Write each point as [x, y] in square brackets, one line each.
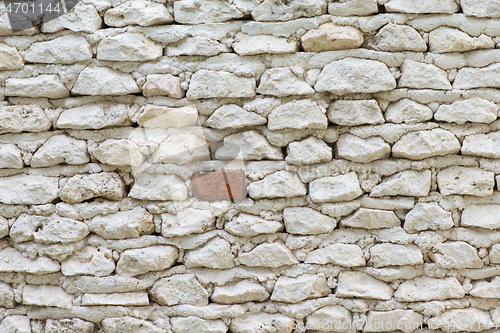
[330, 37]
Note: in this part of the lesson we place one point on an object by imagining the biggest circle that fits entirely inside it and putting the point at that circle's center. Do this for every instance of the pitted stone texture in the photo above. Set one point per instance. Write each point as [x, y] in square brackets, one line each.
[465, 181]
[481, 8]
[214, 84]
[293, 290]
[28, 189]
[346, 255]
[185, 222]
[276, 10]
[397, 38]
[6, 296]
[308, 151]
[48, 86]
[330, 317]
[123, 225]
[197, 45]
[300, 114]
[12, 260]
[307, 221]
[210, 11]
[418, 75]
[351, 75]
[216, 254]
[10, 58]
[268, 255]
[262, 322]
[250, 145]
[353, 8]
[73, 325]
[426, 289]
[356, 149]
[67, 49]
[444, 39]
[234, 116]
[181, 148]
[354, 113]
[263, 44]
[427, 216]
[422, 7]
[408, 112]
[406, 183]
[383, 321]
[16, 324]
[158, 187]
[96, 261]
[481, 216]
[330, 37]
[486, 77]
[282, 82]
[424, 144]
[163, 85]
[179, 289]
[128, 47]
[362, 285]
[83, 17]
[468, 320]
[476, 110]
[139, 261]
[10, 157]
[246, 225]
[334, 189]
[119, 153]
[240, 292]
[79, 188]
[457, 255]
[371, 219]
[4, 227]
[279, 184]
[99, 81]
[47, 296]
[94, 116]
[484, 145]
[192, 323]
[155, 116]
[386, 254]
[60, 149]
[484, 289]
[129, 325]
[23, 118]
[144, 13]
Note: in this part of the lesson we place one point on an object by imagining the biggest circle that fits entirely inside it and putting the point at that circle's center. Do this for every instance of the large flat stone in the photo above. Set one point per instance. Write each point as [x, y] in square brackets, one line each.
[362, 285]
[28, 189]
[406, 183]
[99, 81]
[465, 181]
[218, 84]
[426, 289]
[424, 144]
[334, 189]
[45, 85]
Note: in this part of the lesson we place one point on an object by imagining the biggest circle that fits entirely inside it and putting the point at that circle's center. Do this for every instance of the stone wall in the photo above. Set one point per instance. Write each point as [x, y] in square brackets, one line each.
[368, 137]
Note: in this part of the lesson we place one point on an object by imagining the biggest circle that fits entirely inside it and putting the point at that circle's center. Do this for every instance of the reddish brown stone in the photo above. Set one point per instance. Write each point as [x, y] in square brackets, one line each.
[219, 185]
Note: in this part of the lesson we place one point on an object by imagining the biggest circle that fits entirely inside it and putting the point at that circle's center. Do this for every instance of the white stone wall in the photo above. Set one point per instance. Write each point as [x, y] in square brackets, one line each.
[369, 137]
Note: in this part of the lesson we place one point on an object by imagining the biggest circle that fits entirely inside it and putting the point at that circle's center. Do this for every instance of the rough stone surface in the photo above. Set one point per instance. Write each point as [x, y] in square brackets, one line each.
[330, 37]
[46, 296]
[123, 225]
[60, 149]
[67, 49]
[247, 45]
[185, 222]
[240, 292]
[23, 118]
[386, 254]
[300, 114]
[421, 7]
[158, 187]
[233, 116]
[83, 187]
[309, 151]
[362, 285]
[481, 216]
[427, 289]
[132, 46]
[48, 86]
[279, 184]
[476, 110]
[467, 181]
[247, 225]
[335, 189]
[469, 320]
[457, 255]
[427, 216]
[307, 221]
[356, 149]
[371, 219]
[293, 290]
[268, 255]
[443, 39]
[418, 75]
[179, 289]
[396, 38]
[89, 261]
[405, 183]
[11, 58]
[346, 255]
[98, 81]
[282, 82]
[144, 13]
[214, 254]
[424, 144]
[275, 10]
[93, 116]
[407, 111]
[27, 189]
[354, 113]
[213, 84]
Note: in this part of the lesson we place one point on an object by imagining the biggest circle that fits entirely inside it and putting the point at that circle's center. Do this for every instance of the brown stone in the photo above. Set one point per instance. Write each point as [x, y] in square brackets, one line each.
[219, 185]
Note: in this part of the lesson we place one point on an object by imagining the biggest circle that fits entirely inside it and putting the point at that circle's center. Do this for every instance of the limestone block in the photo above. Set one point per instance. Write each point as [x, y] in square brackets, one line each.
[10, 156]
[123, 299]
[46, 296]
[422, 7]
[83, 17]
[240, 292]
[455, 320]
[308, 151]
[73, 325]
[216, 253]
[28, 189]
[93, 116]
[356, 149]
[486, 289]
[481, 216]
[40, 86]
[217, 84]
[158, 187]
[362, 285]
[60, 149]
[486, 77]
[210, 11]
[128, 46]
[192, 323]
[268, 255]
[82, 187]
[163, 85]
[48, 230]
[96, 261]
[154, 116]
[181, 148]
[99, 81]
[494, 254]
[331, 37]
[123, 225]
[186, 221]
[330, 318]
[307, 221]
[12, 260]
[406, 183]
[371, 219]
[23, 118]
[484, 145]
[282, 82]
[465, 181]
[108, 284]
[397, 38]
[306, 286]
[139, 261]
[246, 45]
[16, 324]
[234, 116]
[246, 225]
[143, 13]
[346, 255]
[67, 49]
[386, 254]
[444, 39]
[334, 189]
[197, 45]
[10, 58]
[427, 216]
[408, 112]
[353, 8]
[299, 114]
[352, 75]
[279, 184]
[424, 144]
[481, 8]
[354, 113]
[6, 296]
[476, 110]
[418, 75]
[249, 145]
[457, 255]
[426, 289]
[129, 325]
[262, 322]
[4, 227]
[385, 321]
[118, 153]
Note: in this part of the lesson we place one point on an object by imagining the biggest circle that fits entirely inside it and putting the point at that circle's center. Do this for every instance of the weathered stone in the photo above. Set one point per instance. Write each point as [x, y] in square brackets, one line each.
[444, 39]
[6, 296]
[481, 216]
[60, 149]
[73, 325]
[424, 144]
[128, 47]
[330, 37]
[353, 8]
[67, 49]
[351, 75]
[456, 255]
[197, 45]
[181, 148]
[41, 86]
[484, 145]
[422, 7]
[465, 181]
[216, 253]
[306, 286]
[210, 11]
[179, 289]
[240, 292]
[275, 10]
[83, 17]
[300, 114]
[46, 296]
[481, 8]
[23, 118]
[10, 58]
[250, 145]
[486, 77]
[139, 261]
[427, 216]
[329, 318]
[308, 151]
[334, 189]
[397, 38]
[426, 289]
[401, 320]
[246, 45]
[354, 113]
[154, 116]
[246, 225]
[476, 110]
[158, 187]
[93, 116]
[346, 255]
[371, 219]
[192, 323]
[234, 116]
[4, 227]
[406, 183]
[485, 289]
[386, 254]
[82, 187]
[12, 260]
[144, 13]
[119, 153]
[10, 156]
[494, 254]
[129, 325]
[407, 111]
[28, 189]
[90, 261]
[362, 285]
[214, 84]
[16, 324]
[186, 222]
[123, 225]
[108, 284]
[262, 322]
[279, 184]
[455, 320]
[98, 81]
[356, 149]
[163, 85]
[123, 299]
[418, 75]
[268, 255]
[282, 82]
[307, 221]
